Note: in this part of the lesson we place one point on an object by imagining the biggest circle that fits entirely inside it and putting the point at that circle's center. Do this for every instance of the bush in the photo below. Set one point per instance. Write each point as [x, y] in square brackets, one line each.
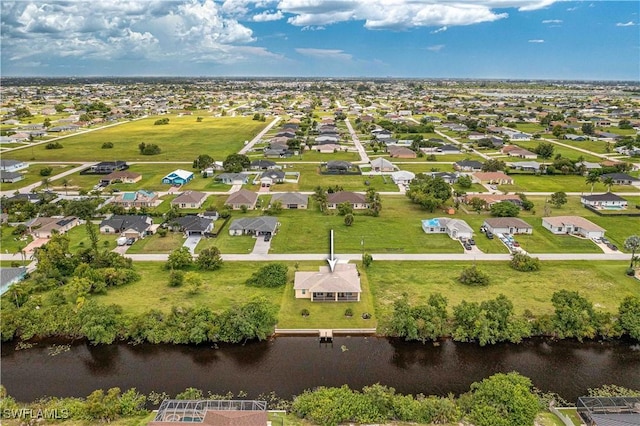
[176, 278]
[366, 315]
[304, 312]
[53, 145]
[473, 276]
[107, 145]
[630, 272]
[46, 171]
[348, 312]
[524, 263]
[271, 275]
[161, 122]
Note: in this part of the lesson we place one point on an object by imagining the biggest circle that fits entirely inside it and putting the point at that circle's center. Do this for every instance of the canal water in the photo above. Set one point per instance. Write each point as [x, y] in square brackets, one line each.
[289, 365]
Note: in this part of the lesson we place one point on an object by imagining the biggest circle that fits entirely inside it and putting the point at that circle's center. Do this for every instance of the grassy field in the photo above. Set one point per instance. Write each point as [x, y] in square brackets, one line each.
[425, 167]
[221, 289]
[599, 147]
[78, 239]
[554, 183]
[181, 140]
[326, 315]
[32, 175]
[158, 244]
[397, 230]
[604, 283]
[564, 151]
[12, 243]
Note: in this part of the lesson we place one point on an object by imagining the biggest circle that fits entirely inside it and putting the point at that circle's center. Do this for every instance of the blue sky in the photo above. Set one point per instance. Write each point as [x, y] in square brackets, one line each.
[518, 39]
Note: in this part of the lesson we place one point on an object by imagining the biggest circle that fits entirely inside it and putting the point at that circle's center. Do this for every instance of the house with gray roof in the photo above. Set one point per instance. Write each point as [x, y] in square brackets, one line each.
[130, 226]
[607, 201]
[10, 177]
[233, 178]
[468, 166]
[12, 165]
[262, 225]
[192, 225]
[10, 276]
[291, 200]
[507, 225]
[382, 165]
[454, 228]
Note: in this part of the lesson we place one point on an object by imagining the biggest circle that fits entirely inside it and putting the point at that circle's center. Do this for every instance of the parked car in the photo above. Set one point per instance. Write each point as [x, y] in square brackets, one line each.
[267, 237]
[471, 241]
[489, 235]
[467, 246]
[612, 247]
[130, 241]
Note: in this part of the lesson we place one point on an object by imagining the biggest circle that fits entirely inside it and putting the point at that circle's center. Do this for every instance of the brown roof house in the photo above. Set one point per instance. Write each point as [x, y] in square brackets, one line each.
[357, 201]
[124, 176]
[497, 178]
[244, 197]
[341, 285]
[507, 225]
[210, 412]
[400, 152]
[189, 200]
[43, 227]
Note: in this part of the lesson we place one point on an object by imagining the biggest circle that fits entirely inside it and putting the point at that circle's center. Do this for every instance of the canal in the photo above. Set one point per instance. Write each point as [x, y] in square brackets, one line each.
[289, 365]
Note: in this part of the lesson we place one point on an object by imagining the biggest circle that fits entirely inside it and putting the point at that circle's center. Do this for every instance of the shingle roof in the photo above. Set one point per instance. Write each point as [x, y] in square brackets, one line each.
[291, 198]
[346, 197]
[244, 196]
[344, 278]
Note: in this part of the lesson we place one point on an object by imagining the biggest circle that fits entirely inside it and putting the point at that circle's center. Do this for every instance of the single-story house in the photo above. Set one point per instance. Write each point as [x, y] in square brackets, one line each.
[357, 201]
[588, 167]
[507, 225]
[574, 225]
[233, 178]
[44, 227]
[382, 165]
[193, 225]
[396, 151]
[270, 177]
[189, 200]
[140, 198]
[497, 178]
[516, 151]
[262, 225]
[291, 200]
[448, 149]
[130, 226]
[241, 198]
[402, 177]
[10, 177]
[124, 176]
[24, 197]
[328, 148]
[468, 166]
[9, 276]
[454, 228]
[491, 199]
[327, 138]
[341, 285]
[211, 412]
[526, 166]
[339, 166]
[263, 165]
[178, 177]
[448, 177]
[577, 138]
[620, 178]
[106, 167]
[604, 201]
[12, 165]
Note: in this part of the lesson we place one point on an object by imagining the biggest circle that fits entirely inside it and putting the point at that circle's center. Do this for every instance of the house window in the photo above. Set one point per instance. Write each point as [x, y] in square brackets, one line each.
[304, 291]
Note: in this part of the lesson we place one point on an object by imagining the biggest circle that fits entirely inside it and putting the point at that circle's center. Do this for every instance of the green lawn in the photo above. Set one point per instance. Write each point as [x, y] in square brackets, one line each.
[555, 183]
[426, 167]
[222, 289]
[315, 156]
[604, 283]
[397, 230]
[78, 239]
[240, 244]
[12, 243]
[558, 149]
[183, 139]
[32, 175]
[157, 244]
[326, 315]
[599, 147]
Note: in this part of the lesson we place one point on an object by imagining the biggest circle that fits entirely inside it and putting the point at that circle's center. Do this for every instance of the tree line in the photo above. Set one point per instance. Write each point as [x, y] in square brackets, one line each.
[494, 320]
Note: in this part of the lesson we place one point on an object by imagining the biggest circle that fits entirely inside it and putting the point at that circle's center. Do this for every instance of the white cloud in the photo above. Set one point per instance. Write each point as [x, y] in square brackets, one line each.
[267, 16]
[313, 28]
[440, 30]
[536, 41]
[552, 21]
[334, 54]
[625, 24]
[436, 47]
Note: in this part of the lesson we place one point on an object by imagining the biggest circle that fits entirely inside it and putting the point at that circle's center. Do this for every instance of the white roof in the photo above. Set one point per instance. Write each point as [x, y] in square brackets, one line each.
[184, 174]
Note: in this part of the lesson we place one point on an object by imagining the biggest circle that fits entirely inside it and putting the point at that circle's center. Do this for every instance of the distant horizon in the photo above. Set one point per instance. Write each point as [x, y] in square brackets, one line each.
[439, 39]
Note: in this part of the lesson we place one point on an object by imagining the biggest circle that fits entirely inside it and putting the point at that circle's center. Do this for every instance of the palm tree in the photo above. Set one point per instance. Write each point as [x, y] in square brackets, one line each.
[46, 182]
[65, 183]
[592, 179]
[609, 182]
[632, 243]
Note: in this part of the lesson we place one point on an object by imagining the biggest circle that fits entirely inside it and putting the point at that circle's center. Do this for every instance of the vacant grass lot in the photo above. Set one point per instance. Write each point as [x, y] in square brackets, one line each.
[397, 230]
[425, 167]
[604, 283]
[221, 289]
[157, 244]
[79, 240]
[555, 183]
[564, 151]
[599, 147]
[326, 314]
[12, 243]
[32, 175]
[183, 139]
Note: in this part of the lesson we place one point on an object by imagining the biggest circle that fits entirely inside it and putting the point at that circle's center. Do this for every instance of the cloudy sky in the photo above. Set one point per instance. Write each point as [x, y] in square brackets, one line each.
[547, 39]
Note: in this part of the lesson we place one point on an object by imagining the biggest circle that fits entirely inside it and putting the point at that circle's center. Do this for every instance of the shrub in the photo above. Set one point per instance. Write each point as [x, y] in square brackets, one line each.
[524, 263]
[473, 276]
[630, 272]
[366, 315]
[107, 145]
[304, 312]
[271, 275]
[53, 145]
[348, 312]
[46, 171]
[176, 278]
[161, 122]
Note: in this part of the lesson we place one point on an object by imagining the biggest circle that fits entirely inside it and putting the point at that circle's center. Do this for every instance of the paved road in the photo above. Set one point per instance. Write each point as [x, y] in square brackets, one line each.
[28, 188]
[259, 136]
[356, 141]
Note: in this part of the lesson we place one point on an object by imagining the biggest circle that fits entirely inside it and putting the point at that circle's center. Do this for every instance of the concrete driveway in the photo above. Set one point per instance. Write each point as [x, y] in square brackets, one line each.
[191, 242]
[261, 246]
